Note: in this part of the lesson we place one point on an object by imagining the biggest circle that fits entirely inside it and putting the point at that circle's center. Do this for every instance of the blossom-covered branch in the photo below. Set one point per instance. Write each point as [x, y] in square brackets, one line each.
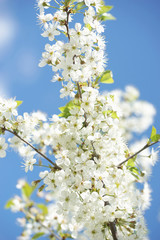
[135, 154]
[35, 149]
[89, 196]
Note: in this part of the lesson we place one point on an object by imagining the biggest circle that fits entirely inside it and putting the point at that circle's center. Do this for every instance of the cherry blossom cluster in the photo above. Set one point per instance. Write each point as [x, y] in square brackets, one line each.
[80, 58]
[137, 115]
[25, 126]
[91, 174]
[90, 190]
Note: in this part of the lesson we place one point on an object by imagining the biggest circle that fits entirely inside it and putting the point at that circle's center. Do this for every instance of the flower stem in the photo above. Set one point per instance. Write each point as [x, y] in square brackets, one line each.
[135, 154]
[113, 229]
[35, 149]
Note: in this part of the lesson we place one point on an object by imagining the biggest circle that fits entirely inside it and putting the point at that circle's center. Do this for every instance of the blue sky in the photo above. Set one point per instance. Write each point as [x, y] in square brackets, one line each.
[134, 57]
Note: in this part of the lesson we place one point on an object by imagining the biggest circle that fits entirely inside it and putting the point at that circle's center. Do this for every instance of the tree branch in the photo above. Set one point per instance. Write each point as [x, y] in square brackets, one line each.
[79, 91]
[67, 21]
[135, 154]
[35, 149]
[112, 226]
[28, 214]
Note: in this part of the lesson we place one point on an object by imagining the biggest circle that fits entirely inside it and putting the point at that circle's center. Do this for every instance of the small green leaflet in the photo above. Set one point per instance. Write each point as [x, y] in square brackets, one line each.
[154, 136]
[65, 111]
[19, 103]
[132, 167]
[80, 5]
[43, 208]
[9, 203]
[88, 26]
[37, 235]
[153, 133]
[107, 77]
[27, 190]
[66, 3]
[103, 14]
[134, 172]
[104, 9]
[131, 162]
[106, 16]
[112, 113]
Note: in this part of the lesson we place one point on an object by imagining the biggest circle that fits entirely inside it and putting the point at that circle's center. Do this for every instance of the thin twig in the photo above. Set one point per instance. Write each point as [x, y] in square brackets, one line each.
[40, 165]
[112, 226]
[67, 22]
[28, 214]
[80, 96]
[35, 149]
[135, 154]
[79, 90]
[94, 151]
[52, 232]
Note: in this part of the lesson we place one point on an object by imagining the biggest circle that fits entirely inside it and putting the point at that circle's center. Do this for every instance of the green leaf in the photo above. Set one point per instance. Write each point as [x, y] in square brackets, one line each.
[131, 162]
[134, 172]
[43, 208]
[80, 5]
[111, 113]
[154, 136]
[107, 77]
[38, 235]
[153, 133]
[66, 3]
[131, 165]
[103, 14]
[114, 115]
[65, 111]
[27, 190]
[88, 26]
[19, 103]
[97, 79]
[104, 9]
[106, 16]
[9, 203]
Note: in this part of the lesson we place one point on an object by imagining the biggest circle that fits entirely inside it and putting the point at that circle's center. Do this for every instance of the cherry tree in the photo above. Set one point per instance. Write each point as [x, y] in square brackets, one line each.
[88, 186]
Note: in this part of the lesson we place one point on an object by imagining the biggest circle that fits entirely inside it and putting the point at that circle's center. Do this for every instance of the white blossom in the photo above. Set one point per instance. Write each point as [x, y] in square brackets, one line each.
[3, 147]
